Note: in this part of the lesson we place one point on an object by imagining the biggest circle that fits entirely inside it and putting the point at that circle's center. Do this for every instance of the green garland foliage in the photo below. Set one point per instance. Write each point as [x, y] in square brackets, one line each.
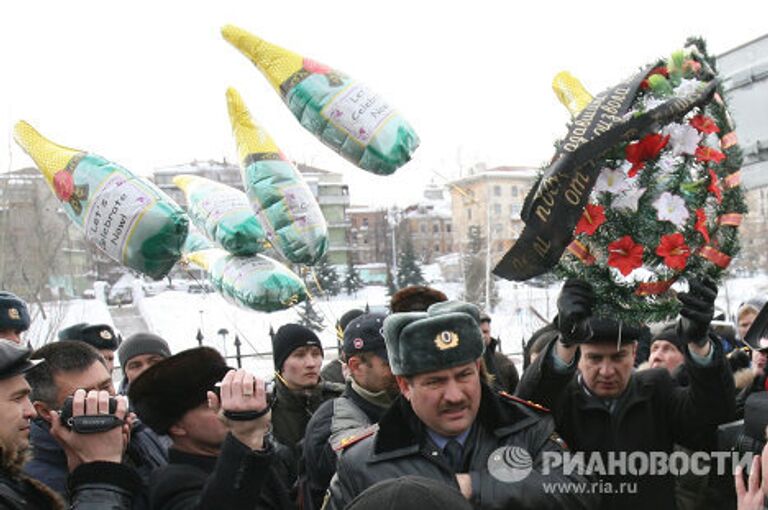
[619, 296]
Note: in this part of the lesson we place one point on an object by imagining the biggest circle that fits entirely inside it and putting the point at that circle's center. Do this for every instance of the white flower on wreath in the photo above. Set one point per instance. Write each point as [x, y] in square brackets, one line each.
[687, 87]
[612, 181]
[671, 208]
[667, 163]
[628, 201]
[683, 138]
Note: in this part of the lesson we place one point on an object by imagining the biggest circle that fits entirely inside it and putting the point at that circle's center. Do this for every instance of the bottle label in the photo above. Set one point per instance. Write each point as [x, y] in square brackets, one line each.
[217, 204]
[358, 111]
[116, 208]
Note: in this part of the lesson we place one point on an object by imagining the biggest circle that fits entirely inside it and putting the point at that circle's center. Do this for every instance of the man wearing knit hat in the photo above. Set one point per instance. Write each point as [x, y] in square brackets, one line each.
[99, 336]
[218, 419]
[298, 357]
[140, 351]
[14, 317]
[608, 409]
[368, 394]
[667, 349]
[450, 426]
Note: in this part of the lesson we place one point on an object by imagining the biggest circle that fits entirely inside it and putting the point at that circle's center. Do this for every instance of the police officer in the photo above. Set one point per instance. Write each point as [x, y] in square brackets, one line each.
[14, 317]
[368, 394]
[99, 336]
[449, 426]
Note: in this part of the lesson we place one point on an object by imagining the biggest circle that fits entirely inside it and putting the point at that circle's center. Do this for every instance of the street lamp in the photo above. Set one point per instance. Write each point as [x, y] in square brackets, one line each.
[223, 332]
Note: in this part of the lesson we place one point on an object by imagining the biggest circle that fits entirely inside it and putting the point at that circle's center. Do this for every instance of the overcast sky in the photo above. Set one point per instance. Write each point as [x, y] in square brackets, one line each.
[142, 83]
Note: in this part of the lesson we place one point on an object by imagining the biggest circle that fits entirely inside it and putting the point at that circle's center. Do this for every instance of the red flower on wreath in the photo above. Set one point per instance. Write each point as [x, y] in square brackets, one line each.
[625, 255]
[673, 249]
[708, 154]
[714, 186]
[649, 147]
[591, 219]
[64, 185]
[662, 70]
[704, 124]
[701, 224]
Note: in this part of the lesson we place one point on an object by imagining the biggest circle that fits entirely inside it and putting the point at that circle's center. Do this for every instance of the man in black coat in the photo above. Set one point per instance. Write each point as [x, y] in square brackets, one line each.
[221, 455]
[449, 426]
[609, 409]
[96, 480]
[369, 392]
[504, 372]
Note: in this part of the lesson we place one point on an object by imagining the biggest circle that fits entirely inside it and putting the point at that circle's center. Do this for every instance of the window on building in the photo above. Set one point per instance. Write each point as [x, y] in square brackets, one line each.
[497, 227]
[365, 222]
[435, 228]
[497, 209]
[448, 227]
[423, 228]
[514, 191]
[497, 191]
[469, 214]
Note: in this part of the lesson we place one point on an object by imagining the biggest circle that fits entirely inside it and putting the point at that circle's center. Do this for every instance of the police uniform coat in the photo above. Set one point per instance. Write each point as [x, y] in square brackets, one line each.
[335, 421]
[653, 414]
[401, 447]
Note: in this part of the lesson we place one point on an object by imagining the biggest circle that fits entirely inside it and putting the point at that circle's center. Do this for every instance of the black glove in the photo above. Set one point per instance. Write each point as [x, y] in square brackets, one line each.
[697, 312]
[574, 307]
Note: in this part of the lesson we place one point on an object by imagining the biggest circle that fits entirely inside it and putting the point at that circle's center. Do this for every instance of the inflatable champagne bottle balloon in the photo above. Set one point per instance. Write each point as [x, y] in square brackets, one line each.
[258, 282]
[223, 214]
[127, 217]
[277, 192]
[341, 112]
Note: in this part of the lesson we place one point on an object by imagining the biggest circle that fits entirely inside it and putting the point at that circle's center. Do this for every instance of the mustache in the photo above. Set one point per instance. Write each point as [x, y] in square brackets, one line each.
[448, 408]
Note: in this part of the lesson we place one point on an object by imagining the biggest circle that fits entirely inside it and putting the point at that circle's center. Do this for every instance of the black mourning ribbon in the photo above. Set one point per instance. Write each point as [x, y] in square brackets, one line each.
[555, 204]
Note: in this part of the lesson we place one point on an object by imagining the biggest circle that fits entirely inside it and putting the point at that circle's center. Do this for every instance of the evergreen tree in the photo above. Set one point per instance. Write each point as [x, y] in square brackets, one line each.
[352, 281]
[309, 317]
[408, 269]
[474, 262]
[327, 276]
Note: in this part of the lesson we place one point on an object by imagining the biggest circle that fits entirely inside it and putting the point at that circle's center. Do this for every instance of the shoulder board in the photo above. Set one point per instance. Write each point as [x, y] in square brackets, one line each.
[527, 403]
[348, 441]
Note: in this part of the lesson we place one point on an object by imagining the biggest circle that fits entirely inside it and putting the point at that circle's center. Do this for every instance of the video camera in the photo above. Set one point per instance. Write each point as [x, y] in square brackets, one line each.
[89, 423]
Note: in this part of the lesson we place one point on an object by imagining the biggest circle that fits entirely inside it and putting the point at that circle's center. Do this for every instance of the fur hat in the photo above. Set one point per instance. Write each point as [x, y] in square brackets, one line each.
[608, 331]
[98, 336]
[415, 298]
[164, 393]
[289, 338]
[14, 314]
[410, 493]
[446, 335]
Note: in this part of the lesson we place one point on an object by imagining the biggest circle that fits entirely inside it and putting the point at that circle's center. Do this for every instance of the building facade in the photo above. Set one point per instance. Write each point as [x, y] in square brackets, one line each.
[487, 204]
[429, 225]
[44, 255]
[369, 239]
[745, 83]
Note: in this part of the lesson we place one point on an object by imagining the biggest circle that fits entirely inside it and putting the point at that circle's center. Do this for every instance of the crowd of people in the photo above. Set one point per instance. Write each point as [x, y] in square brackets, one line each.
[421, 409]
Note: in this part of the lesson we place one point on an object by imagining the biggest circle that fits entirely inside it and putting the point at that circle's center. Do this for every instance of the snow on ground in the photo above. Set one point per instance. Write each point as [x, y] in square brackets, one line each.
[62, 315]
[177, 316]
